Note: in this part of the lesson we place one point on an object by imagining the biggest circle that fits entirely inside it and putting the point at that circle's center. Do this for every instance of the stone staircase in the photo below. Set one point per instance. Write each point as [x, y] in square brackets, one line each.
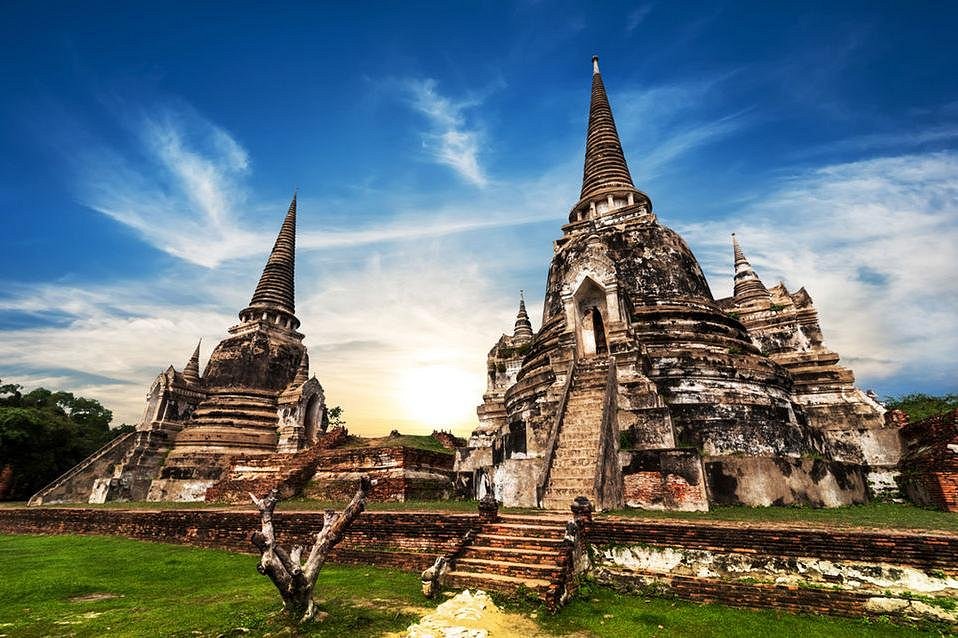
[575, 460]
[131, 477]
[75, 485]
[513, 553]
[231, 409]
[288, 473]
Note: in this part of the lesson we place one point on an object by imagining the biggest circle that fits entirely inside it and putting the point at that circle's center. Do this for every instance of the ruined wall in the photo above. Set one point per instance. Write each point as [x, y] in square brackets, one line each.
[929, 465]
[742, 480]
[400, 474]
[409, 541]
[845, 572]
[789, 567]
[664, 480]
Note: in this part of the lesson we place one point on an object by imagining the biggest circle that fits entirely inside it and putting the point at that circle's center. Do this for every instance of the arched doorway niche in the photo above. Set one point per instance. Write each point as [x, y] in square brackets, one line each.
[313, 424]
[592, 318]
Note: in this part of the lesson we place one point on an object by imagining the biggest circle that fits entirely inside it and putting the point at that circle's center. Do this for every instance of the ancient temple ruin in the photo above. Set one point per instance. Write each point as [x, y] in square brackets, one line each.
[641, 389]
[254, 399]
[784, 326]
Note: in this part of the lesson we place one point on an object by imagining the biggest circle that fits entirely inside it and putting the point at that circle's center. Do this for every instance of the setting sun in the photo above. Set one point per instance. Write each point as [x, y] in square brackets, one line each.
[440, 396]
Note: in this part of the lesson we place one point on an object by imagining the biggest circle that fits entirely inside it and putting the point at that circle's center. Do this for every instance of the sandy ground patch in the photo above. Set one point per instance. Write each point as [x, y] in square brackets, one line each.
[471, 615]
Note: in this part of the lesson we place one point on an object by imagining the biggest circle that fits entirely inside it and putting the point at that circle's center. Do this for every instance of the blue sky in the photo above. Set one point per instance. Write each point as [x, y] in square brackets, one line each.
[149, 150]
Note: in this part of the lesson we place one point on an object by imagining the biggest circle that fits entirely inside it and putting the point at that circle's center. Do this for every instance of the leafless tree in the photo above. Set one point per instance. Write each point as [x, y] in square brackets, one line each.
[294, 578]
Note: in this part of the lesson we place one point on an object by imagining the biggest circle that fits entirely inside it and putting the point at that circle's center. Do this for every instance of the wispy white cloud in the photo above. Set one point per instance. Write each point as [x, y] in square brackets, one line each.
[113, 341]
[669, 121]
[180, 189]
[882, 142]
[398, 340]
[873, 243]
[450, 140]
[638, 16]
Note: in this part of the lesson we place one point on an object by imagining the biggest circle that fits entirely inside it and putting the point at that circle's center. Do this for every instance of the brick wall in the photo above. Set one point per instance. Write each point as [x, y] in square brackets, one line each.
[929, 463]
[406, 540]
[923, 550]
[751, 595]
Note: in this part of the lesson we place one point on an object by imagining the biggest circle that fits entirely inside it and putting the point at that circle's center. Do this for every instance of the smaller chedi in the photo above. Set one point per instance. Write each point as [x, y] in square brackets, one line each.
[254, 399]
[641, 389]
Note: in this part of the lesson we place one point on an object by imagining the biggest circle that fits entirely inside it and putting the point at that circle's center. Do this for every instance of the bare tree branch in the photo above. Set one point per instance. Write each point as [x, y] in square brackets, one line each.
[294, 579]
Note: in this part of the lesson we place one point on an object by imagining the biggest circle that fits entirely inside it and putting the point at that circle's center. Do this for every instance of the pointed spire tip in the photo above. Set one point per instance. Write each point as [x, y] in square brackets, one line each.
[595, 64]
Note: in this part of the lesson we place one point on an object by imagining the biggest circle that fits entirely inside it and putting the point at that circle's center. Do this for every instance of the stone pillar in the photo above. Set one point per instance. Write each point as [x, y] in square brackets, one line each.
[582, 511]
[488, 508]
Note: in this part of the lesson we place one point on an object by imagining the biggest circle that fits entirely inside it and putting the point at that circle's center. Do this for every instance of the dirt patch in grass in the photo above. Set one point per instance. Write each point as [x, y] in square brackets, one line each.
[100, 595]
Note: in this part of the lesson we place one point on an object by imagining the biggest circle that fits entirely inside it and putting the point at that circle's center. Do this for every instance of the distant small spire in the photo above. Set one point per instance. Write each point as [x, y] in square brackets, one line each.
[192, 370]
[302, 372]
[523, 329]
[748, 286]
[595, 64]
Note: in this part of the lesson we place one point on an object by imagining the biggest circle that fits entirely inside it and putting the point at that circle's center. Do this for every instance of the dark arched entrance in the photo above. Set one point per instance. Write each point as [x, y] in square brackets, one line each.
[598, 329]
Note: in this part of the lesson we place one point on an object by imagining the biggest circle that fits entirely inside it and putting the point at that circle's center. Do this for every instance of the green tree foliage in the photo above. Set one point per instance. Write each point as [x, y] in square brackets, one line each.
[920, 406]
[335, 415]
[44, 433]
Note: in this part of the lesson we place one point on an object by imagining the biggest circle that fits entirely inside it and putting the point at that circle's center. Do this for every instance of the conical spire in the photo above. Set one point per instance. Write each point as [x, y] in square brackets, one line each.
[192, 370]
[523, 328]
[748, 286]
[274, 298]
[604, 160]
[605, 173]
[275, 288]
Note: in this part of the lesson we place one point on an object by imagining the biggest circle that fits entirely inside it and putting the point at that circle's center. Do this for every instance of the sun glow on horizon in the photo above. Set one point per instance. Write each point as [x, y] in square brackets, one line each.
[439, 396]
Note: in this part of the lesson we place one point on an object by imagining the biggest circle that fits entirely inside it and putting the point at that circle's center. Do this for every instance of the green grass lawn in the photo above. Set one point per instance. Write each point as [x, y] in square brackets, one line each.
[99, 586]
[878, 515]
[601, 612]
[419, 441]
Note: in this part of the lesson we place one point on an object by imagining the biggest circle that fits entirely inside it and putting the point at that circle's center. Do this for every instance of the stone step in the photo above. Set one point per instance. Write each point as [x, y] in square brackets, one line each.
[516, 542]
[239, 403]
[513, 554]
[504, 568]
[570, 491]
[236, 421]
[579, 440]
[561, 497]
[524, 530]
[570, 462]
[578, 457]
[497, 583]
[571, 482]
[218, 410]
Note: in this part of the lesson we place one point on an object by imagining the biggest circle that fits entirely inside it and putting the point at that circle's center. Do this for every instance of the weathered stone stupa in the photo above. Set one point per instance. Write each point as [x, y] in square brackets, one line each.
[784, 325]
[254, 399]
[640, 389]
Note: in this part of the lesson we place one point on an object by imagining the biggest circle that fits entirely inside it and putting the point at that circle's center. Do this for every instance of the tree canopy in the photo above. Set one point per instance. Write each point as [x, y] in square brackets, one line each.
[43, 434]
[920, 406]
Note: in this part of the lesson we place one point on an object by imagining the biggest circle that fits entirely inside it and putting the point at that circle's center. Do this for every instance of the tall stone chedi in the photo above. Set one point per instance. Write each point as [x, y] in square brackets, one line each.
[639, 388]
[255, 398]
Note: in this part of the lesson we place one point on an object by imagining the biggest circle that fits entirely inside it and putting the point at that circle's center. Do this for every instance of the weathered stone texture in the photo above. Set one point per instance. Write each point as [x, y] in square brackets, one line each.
[254, 399]
[785, 326]
[625, 291]
[399, 474]
[929, 465]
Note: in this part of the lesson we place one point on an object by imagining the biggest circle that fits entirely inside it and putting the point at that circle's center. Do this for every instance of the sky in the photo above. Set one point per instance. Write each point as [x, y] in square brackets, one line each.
[148, 153]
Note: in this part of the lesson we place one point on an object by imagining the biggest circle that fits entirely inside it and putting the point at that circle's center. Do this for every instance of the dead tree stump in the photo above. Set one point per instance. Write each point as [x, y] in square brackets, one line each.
[294, 578]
